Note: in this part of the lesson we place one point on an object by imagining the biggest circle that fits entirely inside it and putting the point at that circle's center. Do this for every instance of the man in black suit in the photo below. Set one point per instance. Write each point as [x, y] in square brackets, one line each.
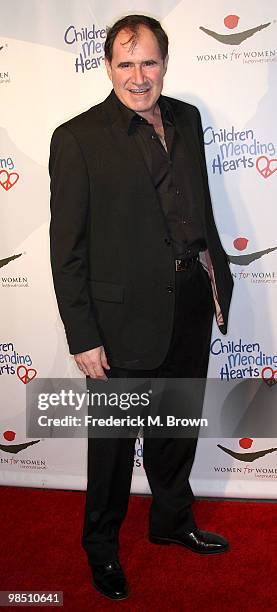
[131, 220]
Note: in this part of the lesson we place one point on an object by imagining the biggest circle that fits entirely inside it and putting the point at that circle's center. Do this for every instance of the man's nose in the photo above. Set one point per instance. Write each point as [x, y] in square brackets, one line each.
[138, 75]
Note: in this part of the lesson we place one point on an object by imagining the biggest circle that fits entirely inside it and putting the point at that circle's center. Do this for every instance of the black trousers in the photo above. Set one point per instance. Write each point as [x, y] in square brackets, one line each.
[167, 461]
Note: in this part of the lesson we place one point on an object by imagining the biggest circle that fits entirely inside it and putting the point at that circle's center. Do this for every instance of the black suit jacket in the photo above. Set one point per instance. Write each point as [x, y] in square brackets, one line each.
[112, 261]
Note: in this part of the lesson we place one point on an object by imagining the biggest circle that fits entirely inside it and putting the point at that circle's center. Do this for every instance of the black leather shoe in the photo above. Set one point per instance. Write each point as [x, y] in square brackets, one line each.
[109, 579]
[198, 541]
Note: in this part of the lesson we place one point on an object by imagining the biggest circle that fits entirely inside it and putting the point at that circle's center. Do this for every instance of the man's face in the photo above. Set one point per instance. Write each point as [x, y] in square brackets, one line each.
[137, 71]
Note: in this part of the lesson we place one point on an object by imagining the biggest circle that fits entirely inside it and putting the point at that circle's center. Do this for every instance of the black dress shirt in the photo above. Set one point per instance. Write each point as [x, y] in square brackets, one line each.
[168, 172]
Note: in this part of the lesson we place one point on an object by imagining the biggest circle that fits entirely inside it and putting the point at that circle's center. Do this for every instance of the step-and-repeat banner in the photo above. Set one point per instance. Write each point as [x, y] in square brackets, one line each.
[223, 59]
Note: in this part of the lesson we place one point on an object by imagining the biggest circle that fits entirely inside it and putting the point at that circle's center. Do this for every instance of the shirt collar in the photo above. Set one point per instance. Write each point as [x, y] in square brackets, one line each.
[130, 118]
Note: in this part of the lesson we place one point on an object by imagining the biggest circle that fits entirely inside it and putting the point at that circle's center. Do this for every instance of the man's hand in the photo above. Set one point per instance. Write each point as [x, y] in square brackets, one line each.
[92, 362]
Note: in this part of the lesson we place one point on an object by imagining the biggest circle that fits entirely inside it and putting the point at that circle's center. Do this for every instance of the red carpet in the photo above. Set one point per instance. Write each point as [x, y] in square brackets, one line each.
[40, 550]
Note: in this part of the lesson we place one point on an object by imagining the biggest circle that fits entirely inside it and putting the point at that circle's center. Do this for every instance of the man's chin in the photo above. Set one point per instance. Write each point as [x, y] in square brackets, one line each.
[141, 104]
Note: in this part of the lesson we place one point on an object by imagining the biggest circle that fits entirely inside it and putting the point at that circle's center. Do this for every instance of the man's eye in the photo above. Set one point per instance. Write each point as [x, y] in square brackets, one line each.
[125, 65]
[150, 63]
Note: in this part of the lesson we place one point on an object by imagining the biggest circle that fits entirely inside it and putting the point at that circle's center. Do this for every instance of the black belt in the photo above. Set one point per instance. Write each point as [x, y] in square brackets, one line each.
[185, 264]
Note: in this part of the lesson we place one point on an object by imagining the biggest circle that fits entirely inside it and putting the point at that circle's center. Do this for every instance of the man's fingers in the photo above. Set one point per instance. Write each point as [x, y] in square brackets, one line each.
[104, 360]
[99, 372]
[82, 368]
[91, 363]
[90, 371]
[94, 369]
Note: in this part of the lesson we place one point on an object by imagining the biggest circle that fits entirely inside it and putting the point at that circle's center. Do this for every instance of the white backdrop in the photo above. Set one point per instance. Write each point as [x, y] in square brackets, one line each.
[223, 59]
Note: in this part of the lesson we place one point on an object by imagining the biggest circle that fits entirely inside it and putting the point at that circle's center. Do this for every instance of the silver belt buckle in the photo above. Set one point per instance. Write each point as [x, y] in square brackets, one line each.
[184, 264]
[178, 265]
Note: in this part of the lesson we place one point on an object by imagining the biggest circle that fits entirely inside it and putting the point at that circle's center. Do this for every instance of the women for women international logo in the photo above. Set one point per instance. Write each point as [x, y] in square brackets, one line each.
[236, 38]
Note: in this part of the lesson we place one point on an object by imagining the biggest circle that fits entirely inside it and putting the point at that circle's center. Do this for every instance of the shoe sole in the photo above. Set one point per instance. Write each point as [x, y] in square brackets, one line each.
[110, 596]
[167, 541]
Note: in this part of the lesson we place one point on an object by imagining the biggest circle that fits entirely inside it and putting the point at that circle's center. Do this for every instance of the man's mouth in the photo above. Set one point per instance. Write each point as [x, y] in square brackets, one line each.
[139, 92]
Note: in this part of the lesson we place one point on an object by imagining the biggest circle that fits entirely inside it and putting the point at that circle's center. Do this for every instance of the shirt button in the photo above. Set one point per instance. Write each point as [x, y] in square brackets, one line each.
[177, 191]
[170, 289]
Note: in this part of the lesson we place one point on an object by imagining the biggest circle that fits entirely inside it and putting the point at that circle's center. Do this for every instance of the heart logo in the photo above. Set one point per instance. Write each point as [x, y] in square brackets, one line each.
[26, 374]
[269, 376]
[8, 179]
[265, 166]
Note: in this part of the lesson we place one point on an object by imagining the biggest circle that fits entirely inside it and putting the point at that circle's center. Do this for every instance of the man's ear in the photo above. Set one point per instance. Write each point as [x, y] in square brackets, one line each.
[165, 63]
[108, 68]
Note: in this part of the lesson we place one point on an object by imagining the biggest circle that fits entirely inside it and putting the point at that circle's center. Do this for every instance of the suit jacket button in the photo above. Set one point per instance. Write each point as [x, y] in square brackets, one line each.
[170, 289]
[167, 241]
